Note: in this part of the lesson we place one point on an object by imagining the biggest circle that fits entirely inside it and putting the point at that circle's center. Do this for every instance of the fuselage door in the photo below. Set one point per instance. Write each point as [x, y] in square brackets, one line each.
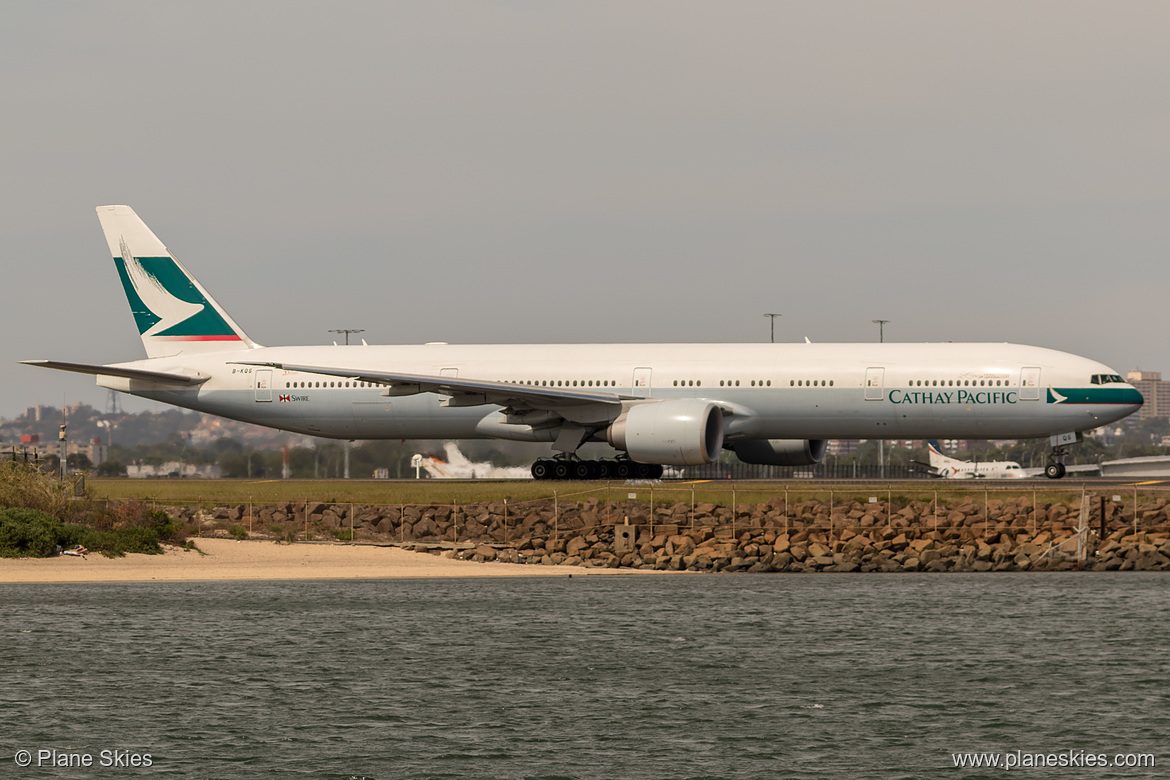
[263, 384]
[1030, 383]
[640, 384]
[875, 377]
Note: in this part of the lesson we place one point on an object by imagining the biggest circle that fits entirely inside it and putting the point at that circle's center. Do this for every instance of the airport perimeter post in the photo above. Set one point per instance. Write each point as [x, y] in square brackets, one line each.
[733, 505]
[1101, 519]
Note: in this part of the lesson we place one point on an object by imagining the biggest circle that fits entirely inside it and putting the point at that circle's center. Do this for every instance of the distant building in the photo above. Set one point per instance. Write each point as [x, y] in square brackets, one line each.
[1154, 390]
[97, 452]
[174, 469]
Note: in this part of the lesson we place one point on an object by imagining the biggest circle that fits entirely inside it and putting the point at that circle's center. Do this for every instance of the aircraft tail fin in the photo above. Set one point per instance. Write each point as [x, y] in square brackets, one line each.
[937, 459]
[171, 309]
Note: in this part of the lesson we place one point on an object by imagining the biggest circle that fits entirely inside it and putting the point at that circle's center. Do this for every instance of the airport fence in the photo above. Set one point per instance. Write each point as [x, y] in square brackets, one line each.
[747, 471]
[961, 512]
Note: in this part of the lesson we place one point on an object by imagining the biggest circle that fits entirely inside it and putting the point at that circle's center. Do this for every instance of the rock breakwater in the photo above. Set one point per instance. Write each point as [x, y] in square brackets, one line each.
[1008, 534]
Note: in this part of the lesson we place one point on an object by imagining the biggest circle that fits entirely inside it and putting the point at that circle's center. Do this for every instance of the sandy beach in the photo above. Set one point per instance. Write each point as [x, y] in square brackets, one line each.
[227, 559]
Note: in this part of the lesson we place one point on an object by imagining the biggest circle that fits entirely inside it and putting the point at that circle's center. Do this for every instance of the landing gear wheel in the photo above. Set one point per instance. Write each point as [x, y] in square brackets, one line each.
[1054, 470]
[542, 469]
[561, 469]
[604, 469]
[643, 471]
[623, 469]
[583, 469]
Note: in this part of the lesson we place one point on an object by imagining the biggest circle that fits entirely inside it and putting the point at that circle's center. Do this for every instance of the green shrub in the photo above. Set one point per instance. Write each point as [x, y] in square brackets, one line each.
[28, 533]
[239, 532]
[114, 544]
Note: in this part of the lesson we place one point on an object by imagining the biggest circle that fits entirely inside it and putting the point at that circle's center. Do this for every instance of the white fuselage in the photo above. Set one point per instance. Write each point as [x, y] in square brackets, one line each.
[767, 391]
[952, 468]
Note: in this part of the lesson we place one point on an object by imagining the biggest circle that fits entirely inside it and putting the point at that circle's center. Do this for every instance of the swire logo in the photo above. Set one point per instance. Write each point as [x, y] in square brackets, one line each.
[285, 398]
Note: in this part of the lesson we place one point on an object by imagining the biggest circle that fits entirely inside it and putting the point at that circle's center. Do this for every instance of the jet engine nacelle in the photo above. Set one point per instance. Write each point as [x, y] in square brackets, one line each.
[781, 452]
[684, 432]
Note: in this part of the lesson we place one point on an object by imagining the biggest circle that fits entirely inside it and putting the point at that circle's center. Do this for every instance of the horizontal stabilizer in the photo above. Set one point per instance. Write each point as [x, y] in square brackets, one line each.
[126, 373]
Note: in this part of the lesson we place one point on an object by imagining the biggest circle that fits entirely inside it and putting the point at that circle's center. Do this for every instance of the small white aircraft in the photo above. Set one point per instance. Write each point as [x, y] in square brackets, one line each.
[458, 466]
[953, 468]
[657, 404]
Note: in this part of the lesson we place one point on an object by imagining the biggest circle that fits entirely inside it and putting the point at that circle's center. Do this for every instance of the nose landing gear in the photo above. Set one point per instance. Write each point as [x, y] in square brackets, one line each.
[1060, 443]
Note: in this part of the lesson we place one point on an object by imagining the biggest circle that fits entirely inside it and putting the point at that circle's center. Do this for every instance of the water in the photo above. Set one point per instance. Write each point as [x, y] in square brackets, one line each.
[818, 676]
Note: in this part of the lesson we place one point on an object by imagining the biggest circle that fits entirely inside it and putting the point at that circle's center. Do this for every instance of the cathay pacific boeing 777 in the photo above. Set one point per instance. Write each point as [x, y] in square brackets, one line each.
[657, 404]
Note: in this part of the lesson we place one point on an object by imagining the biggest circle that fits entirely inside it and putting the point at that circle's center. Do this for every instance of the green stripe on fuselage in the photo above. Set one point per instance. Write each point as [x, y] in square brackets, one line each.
[1094, 395]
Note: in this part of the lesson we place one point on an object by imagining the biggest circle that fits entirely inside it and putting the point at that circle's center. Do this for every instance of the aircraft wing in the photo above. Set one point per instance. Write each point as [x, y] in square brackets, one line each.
[463, 392]
[126, 373]
[927, 469]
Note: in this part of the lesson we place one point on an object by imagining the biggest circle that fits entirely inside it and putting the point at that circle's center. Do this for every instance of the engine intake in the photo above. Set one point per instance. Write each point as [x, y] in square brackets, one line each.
[684, 432]
[781, 452]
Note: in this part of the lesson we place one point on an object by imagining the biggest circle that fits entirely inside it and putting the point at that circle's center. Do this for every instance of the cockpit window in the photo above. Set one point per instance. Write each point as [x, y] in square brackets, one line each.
[1106, 379]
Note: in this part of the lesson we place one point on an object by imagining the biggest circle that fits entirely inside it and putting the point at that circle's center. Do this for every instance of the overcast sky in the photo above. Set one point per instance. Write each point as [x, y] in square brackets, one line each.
[494, 172]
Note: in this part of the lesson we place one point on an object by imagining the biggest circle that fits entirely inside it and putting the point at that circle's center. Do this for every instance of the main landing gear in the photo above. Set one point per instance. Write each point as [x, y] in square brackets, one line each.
[619, 468]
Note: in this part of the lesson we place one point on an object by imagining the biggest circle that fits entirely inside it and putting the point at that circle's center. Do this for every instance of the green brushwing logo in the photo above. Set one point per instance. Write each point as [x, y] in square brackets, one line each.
[166, 304]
